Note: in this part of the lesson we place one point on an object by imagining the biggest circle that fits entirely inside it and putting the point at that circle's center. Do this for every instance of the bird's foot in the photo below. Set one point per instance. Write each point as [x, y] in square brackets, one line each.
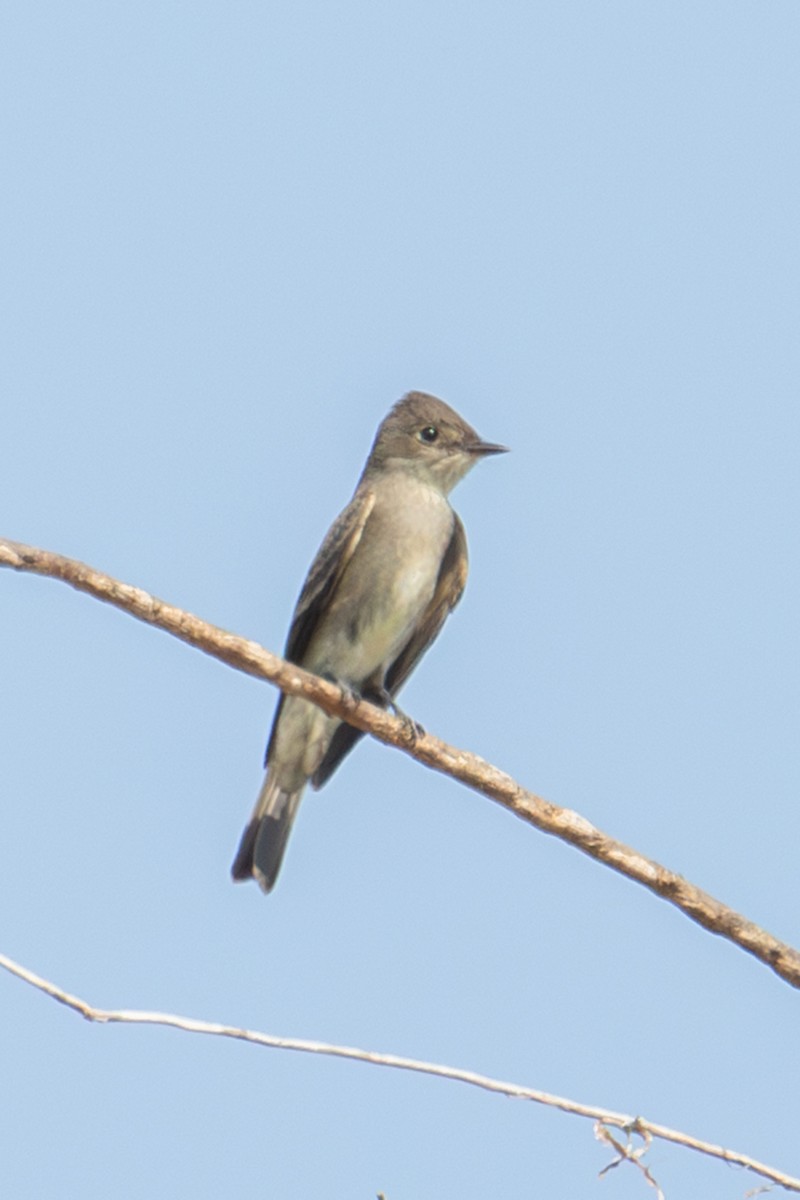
[351, 697]
[413, 730]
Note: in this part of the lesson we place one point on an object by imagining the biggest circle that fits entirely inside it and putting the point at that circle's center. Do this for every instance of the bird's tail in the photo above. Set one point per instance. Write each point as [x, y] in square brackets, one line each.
[264, 840]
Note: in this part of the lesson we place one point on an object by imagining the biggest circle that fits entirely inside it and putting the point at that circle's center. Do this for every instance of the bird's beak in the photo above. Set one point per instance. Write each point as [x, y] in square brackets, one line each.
[485, 448]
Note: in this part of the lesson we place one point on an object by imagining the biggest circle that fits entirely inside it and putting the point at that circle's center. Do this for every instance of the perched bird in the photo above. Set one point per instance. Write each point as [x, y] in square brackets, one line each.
[393, 565]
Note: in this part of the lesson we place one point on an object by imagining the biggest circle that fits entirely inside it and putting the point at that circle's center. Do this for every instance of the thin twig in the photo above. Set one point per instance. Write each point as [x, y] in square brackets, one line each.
[467, 768]
[631, 1126]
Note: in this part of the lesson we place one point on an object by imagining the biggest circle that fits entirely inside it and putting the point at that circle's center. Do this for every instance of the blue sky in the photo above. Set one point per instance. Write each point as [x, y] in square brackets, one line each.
[232, 236]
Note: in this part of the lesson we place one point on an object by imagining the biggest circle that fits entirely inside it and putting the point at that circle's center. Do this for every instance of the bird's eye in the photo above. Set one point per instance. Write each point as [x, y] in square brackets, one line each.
[429, 434]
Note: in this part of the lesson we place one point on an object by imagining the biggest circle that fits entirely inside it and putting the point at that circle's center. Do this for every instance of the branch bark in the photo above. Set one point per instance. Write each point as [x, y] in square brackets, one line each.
[604, 1118]
[461, 765]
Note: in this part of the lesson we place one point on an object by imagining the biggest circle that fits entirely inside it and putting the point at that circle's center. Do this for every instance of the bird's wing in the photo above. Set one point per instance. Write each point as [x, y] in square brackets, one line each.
[322, 580]
[448, 592]
[326, 570]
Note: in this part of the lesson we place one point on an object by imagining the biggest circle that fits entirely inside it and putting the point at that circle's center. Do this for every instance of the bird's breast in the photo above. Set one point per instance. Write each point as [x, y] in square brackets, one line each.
[388, 583]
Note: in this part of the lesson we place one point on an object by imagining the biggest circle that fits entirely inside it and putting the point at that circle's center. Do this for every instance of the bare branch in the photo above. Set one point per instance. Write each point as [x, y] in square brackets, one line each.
[629, 1152]
[604, 1118]
[467, 768]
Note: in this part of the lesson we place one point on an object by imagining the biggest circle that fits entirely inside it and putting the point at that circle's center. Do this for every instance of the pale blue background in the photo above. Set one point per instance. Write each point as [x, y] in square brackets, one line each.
[232, 235]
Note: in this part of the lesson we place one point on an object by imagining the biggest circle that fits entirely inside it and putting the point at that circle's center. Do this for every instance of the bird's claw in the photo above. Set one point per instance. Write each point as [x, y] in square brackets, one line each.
[350, 697]
[413, 730]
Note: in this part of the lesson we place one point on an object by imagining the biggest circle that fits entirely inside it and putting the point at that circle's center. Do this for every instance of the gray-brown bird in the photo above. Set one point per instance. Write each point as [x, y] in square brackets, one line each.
[391, 569]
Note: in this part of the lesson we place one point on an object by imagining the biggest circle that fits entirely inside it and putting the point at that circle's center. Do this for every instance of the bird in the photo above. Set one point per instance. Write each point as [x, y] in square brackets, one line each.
[386, 577]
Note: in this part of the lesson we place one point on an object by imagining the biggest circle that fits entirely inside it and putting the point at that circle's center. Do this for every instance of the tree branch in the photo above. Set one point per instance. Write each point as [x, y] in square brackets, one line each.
[461, 765]
[604, 1118]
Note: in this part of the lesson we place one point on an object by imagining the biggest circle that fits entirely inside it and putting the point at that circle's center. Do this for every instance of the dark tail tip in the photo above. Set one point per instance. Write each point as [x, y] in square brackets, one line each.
[261, 850]
[242, 867]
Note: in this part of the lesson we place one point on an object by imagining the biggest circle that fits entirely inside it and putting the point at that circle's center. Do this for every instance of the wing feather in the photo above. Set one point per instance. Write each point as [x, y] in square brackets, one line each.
[321, 582]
